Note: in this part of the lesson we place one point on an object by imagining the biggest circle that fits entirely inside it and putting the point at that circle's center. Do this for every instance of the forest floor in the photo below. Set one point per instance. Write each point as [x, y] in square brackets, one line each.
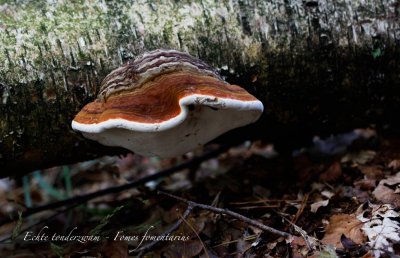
[337, 198]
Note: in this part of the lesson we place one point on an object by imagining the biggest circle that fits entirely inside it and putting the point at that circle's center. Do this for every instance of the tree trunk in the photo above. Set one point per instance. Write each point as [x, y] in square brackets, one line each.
[318, 66]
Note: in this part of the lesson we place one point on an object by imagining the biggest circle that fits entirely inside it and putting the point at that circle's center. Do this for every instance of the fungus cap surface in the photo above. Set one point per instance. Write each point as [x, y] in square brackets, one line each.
[165, 111]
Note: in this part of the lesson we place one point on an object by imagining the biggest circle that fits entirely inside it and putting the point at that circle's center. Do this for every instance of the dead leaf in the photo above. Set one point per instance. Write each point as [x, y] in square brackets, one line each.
[380, 224]
[343, 224]
[300, 247]
[347, 243]
[368, 255]
[322, 203]
[372, 172]
[327, 194]
[332, 173]
[316, 205]
[394, 164]
[365, 184]
[387, 190]
[361, 157]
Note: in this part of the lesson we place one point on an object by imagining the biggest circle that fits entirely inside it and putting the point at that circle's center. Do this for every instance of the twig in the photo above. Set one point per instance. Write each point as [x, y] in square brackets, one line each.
[194, 231]
[146, 248]
[301, 209]
[311, 242]
[84, 198]
[229, 213]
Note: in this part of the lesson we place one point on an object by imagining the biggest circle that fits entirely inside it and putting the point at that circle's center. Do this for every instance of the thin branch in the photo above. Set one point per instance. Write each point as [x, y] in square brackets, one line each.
[229, 213]
[301, 209]
[311, 242]
[146, 248]
[84, 198]
[194, 231]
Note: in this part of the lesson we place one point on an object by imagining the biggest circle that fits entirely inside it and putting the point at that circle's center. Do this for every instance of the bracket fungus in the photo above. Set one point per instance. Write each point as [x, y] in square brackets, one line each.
[165, 103]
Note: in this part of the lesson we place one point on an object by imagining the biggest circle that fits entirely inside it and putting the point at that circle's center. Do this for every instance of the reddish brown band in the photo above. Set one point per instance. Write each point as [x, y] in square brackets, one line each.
[158, 100]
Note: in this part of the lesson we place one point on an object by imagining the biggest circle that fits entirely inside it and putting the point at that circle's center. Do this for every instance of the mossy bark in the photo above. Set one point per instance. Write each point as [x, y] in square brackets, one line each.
[318, 66]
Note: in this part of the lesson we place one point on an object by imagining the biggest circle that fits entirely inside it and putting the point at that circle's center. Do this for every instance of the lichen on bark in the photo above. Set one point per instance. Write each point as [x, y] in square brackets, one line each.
[54, 54]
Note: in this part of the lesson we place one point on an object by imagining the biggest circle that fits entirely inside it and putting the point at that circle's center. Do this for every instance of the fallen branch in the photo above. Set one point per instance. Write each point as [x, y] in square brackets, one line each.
[84, 198]
[238, 216]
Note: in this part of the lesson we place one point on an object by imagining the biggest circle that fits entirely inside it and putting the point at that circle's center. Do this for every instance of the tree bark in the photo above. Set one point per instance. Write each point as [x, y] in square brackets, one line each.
[319, 66]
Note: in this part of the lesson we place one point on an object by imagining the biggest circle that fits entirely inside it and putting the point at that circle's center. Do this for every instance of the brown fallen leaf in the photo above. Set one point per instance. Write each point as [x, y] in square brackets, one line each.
[332, 173]
[372, 172]
[365, 184]
[388, 189]
[300, 247]
[343, 224]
